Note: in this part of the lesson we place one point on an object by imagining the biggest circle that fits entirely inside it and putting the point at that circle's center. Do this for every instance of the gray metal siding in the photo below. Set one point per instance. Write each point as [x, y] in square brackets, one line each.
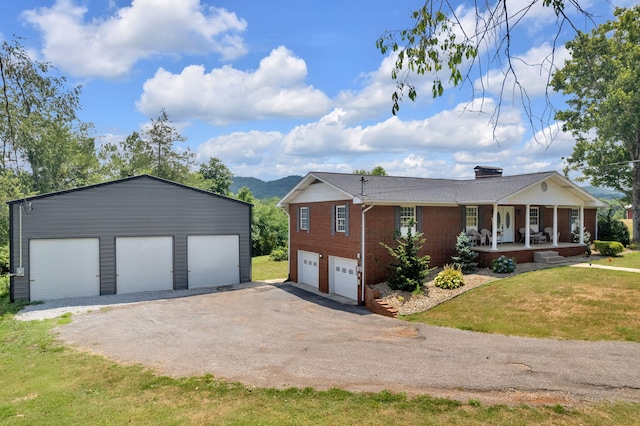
[136, 207]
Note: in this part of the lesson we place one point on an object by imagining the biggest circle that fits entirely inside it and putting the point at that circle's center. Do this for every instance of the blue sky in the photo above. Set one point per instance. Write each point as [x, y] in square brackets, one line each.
[286, 87]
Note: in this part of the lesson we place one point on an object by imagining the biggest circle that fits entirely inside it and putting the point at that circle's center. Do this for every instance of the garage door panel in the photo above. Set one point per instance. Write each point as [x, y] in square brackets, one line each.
[213, 260]
[144, 264]
[308, 269]
[60, 268]
[344, 277]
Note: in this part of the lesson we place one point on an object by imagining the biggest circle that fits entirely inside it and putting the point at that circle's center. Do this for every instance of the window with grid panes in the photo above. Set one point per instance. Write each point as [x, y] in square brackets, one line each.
[341, 218]
[407, 216]
[534, 219]
[304, 218]
[471, 218]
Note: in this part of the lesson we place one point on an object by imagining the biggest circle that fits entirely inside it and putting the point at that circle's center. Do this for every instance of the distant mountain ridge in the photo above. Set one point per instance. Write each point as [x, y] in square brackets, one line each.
[603, 193]
[261, 189]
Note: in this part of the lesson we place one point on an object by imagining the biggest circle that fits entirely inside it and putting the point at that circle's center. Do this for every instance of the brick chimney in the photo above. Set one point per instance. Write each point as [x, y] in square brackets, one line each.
[487, 172]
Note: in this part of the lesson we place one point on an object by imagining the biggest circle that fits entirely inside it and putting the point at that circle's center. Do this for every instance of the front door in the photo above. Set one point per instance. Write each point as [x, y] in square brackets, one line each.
[506, 223]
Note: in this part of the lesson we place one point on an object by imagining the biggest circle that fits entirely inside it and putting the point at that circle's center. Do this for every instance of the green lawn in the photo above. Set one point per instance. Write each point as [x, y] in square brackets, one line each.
[625, 260]
[45, 383]
[562, 303]
[264, 269]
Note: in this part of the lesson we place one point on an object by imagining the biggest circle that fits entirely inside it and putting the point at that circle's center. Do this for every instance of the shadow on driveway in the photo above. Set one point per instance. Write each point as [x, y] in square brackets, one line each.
[326, 301]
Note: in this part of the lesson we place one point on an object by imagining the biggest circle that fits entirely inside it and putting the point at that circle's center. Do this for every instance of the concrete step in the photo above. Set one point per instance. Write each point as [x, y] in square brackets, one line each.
[555, 259]
[548, 256]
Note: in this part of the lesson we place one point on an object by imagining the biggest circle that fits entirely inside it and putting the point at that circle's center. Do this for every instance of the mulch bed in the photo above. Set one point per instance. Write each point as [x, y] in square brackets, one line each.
[407, 303]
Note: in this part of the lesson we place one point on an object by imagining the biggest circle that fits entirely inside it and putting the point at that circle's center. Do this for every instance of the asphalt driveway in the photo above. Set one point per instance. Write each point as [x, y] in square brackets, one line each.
[279, 336]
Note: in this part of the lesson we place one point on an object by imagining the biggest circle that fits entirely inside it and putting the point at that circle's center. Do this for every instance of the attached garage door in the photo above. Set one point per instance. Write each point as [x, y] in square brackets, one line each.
[144, 264]
[64, 268]
[343, 277]
[308, 268]
[213, 260]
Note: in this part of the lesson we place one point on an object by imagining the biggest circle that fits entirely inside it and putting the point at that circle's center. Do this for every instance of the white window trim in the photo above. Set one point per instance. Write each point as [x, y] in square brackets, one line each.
[535, 227]
[304, 218]
[474, 216]
[574, 220]
[404, 230]
[341, 222]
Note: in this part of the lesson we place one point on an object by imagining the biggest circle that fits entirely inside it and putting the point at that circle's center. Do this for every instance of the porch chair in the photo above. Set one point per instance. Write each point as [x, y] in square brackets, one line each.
[523, 234]
[486, 236]
[474, 236]
[537, 237]
[549, 231]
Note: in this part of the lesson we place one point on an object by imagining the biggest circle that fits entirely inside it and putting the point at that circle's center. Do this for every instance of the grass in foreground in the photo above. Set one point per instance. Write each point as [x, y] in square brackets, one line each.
[625, 260]
[43, 382]
[263, 268]
[561, 303]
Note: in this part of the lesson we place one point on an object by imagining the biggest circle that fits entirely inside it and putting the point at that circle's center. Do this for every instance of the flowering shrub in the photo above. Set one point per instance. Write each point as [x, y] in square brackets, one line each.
[449, 278]
[503, 264]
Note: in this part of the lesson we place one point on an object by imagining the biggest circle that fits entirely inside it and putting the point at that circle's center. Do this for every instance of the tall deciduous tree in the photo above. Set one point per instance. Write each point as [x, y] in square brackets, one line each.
[150, 151]
[602, 80]
[217, 177]
[42, 138]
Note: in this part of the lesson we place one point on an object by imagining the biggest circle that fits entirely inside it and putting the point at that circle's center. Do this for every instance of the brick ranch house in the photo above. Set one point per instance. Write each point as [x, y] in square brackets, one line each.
[337, 221]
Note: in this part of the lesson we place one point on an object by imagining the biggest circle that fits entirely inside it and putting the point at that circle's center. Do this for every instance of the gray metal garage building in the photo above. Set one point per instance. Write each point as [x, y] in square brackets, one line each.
[130, 235]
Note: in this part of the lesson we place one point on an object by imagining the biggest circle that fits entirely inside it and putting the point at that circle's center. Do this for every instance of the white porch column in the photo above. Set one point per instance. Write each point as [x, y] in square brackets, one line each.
[527, 230]
[581, 225]
[494, 228]
[555, 225]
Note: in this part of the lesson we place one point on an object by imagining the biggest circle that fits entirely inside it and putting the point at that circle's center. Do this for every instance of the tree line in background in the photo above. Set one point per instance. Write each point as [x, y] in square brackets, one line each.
[46, 148]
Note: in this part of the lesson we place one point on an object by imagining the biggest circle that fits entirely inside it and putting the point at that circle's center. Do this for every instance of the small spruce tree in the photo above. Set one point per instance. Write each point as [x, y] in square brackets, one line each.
[464, 258]
[409, 270]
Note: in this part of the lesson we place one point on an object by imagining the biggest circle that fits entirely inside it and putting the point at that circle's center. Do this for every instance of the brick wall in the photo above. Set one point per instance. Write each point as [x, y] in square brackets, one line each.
[320, 240]
[440, 226]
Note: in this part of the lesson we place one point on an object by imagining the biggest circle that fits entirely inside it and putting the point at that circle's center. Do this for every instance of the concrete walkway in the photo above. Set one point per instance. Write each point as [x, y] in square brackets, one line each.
[598, 266]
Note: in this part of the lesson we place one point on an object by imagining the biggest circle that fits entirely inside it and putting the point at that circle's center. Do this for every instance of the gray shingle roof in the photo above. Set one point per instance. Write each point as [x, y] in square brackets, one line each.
[395, 189]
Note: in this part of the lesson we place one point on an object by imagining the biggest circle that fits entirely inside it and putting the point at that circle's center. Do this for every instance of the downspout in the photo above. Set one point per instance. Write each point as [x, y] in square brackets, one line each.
[286, 211]
[362, 254]
[581, 225]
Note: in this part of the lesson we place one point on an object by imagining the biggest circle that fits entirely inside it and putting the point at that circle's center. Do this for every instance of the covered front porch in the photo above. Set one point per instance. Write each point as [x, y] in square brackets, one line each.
[522, 254]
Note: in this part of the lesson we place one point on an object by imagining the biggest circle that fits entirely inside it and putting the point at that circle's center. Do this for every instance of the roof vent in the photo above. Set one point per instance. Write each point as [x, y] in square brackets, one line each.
[487, 172]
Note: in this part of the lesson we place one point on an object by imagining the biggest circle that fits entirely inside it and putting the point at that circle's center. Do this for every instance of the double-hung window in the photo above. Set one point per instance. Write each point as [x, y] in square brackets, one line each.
[534, 219]
[341, 218]
[407, 220]
[575, 221]
[304, 218]
[471, 221]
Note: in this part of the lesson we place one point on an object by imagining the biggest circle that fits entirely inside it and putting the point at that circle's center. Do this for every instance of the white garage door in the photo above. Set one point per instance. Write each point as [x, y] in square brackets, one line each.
[144, 264]
[64, 268]
[343, 277]
[213, 260]
[308, 268]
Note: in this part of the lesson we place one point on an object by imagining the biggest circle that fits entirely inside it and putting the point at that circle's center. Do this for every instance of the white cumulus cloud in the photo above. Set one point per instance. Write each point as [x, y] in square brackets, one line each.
[277, 89]
[110, 46]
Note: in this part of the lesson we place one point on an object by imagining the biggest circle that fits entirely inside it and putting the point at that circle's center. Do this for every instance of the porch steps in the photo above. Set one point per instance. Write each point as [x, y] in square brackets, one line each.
[548, 256]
